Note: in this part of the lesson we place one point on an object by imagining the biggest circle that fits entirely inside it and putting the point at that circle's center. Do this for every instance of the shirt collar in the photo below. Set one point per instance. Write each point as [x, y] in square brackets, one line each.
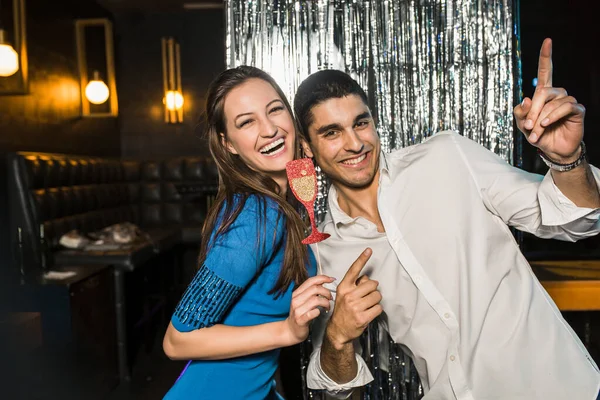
[384, 166]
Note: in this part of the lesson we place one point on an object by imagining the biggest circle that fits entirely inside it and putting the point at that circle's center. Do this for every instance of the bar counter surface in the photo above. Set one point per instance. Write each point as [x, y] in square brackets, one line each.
[573, 285]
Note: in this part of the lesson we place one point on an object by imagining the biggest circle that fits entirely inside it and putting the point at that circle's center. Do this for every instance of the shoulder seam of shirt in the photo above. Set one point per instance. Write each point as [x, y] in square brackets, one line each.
[467, 165]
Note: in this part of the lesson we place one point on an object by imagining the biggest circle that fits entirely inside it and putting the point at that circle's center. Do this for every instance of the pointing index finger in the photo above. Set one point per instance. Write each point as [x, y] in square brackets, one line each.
[357, 266]
[545, 65]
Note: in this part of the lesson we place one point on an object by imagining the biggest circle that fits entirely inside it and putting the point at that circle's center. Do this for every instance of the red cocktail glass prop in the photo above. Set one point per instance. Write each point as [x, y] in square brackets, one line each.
[303, 182]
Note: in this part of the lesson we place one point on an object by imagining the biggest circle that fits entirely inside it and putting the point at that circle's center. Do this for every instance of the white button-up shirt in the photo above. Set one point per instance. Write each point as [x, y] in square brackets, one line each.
[458, 294]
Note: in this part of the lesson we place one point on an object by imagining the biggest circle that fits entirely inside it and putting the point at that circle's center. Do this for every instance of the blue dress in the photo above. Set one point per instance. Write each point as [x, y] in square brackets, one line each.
[231, 288]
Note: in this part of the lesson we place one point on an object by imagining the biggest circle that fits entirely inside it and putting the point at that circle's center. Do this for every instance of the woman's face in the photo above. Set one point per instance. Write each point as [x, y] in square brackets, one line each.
[260, 129]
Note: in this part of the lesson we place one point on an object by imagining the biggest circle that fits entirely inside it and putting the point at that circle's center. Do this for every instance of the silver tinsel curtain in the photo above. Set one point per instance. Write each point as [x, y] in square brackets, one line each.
[428, 65]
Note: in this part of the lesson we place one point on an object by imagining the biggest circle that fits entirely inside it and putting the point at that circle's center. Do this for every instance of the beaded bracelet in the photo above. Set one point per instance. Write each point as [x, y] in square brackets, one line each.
[563, 167]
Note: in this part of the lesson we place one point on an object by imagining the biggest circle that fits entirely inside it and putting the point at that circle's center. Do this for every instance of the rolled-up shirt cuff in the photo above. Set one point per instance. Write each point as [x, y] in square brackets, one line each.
[317, 378]
[557, 209]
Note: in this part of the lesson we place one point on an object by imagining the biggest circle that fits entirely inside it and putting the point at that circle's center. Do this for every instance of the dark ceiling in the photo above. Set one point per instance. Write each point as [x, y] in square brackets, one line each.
[158, 5]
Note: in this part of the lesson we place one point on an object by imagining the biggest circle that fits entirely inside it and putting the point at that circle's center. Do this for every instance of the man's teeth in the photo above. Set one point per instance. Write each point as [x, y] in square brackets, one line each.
[354, 161]
[268, 147]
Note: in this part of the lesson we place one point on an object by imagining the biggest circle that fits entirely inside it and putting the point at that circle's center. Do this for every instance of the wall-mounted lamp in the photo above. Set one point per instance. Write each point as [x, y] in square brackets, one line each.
[13, 48]
[173, 100]
[9, 58]
[96, 90]
[171, 66]
[95, 58]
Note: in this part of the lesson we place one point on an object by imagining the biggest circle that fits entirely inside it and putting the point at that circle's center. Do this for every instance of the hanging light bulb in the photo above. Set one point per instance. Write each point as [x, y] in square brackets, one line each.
[173, 100]
[9, 58]
[96, 90]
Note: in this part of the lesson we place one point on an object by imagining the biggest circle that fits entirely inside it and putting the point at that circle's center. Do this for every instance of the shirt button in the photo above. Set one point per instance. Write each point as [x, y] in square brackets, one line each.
[452, 358]
[418, 279]
[447, 315]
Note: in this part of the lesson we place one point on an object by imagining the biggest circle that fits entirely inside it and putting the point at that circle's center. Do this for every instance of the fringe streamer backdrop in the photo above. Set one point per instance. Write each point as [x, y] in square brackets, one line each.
[428, 65]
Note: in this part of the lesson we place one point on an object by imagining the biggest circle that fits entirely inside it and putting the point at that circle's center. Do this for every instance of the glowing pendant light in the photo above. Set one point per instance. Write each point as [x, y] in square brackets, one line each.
[9, 58]
[96, 90]
[173, 100]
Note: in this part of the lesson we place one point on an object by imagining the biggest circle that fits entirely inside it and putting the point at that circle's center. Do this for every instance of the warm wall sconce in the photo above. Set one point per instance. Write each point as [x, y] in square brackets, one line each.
[95, 58]
[9, 58]
[173, 100]
[173, 96]
[13, 49]
[96, 90]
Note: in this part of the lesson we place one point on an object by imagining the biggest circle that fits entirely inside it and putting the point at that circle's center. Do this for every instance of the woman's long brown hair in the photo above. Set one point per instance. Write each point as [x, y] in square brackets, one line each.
[237, 182]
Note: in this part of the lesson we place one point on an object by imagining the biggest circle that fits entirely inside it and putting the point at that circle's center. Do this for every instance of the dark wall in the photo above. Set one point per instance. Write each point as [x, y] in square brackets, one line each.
[201, 36]
[48, 117]
[573, 27]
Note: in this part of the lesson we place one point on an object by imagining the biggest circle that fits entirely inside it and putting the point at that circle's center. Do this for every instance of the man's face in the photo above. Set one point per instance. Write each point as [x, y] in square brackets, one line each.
[344, 142]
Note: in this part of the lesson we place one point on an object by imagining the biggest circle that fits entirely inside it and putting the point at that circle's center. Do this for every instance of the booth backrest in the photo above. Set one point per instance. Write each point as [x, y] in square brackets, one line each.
[65, 192]
[163, 187]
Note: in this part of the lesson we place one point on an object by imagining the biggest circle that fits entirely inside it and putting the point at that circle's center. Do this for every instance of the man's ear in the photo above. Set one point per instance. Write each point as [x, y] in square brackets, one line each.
[306, 148]
[227, 144]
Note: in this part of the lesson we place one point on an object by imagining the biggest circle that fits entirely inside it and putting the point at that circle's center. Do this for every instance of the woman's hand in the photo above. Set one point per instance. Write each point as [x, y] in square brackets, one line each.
[304, 308]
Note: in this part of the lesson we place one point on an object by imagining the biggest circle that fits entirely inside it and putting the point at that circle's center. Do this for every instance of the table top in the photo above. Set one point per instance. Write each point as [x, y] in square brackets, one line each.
[80, 272]
[573, 285]
[585, 270]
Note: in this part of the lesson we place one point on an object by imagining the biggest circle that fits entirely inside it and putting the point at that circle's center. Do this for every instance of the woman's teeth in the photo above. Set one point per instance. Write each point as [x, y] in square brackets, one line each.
[273, 148]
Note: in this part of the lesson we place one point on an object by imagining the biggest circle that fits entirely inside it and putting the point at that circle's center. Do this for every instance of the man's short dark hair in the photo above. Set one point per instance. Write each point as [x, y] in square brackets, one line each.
[319, 87]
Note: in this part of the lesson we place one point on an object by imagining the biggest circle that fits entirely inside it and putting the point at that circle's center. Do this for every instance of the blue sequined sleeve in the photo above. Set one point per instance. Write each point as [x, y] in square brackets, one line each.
[231, 264]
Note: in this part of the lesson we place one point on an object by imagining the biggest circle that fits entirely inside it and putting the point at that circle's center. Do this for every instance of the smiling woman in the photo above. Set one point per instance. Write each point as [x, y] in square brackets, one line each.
[241, 306]
[260, 129]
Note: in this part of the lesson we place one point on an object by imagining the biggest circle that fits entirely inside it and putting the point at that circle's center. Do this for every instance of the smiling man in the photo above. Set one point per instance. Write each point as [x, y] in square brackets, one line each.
[442, 270]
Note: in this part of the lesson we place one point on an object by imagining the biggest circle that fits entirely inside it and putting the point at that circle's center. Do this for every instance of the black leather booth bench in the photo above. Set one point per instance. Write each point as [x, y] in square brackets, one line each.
[168, 199]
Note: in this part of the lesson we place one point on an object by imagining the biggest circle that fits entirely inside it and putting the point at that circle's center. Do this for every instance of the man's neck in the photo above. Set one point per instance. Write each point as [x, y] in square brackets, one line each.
[361, 202]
